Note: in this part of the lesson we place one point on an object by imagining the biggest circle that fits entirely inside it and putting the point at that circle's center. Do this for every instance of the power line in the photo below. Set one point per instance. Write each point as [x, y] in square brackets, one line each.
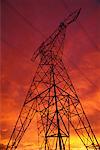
[9, 44]
[43, 36]
[82, 73]
[91, 40]
[79, 70]
[24, 18]
[82, 28]
[53, 96]
[88, 36]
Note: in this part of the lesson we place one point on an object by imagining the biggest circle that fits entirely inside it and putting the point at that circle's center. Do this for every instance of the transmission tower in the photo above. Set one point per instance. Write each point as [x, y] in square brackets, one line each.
[53, 97]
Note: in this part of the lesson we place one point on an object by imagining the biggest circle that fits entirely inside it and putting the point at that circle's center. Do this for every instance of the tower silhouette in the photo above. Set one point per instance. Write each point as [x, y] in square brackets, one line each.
[53, 97]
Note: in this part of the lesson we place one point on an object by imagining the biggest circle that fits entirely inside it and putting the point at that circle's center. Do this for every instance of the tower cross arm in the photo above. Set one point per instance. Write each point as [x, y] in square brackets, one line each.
[72, 17]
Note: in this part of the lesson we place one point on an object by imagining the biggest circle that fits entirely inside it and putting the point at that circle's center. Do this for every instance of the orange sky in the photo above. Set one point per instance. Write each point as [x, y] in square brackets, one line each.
[21, 36]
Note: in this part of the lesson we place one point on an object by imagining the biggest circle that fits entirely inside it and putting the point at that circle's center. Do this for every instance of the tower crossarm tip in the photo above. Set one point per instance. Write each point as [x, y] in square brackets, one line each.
[42, 50]
[72, 17]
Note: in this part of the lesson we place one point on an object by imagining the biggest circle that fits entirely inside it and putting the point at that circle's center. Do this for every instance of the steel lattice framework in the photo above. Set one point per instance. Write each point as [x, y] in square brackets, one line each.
[53, 96]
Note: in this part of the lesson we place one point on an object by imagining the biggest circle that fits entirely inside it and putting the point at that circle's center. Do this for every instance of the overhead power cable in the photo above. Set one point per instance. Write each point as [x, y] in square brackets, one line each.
[79, 70]
[89, 37]
[9, 44]
[82, 28]
[82, 73]
[24, 18]
[91, 40]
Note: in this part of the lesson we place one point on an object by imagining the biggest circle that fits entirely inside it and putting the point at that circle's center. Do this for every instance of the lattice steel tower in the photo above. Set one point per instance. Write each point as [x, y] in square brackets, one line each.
[53, 97]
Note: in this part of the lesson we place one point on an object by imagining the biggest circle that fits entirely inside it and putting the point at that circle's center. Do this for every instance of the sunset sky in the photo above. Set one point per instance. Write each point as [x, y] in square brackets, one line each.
[25, 25]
